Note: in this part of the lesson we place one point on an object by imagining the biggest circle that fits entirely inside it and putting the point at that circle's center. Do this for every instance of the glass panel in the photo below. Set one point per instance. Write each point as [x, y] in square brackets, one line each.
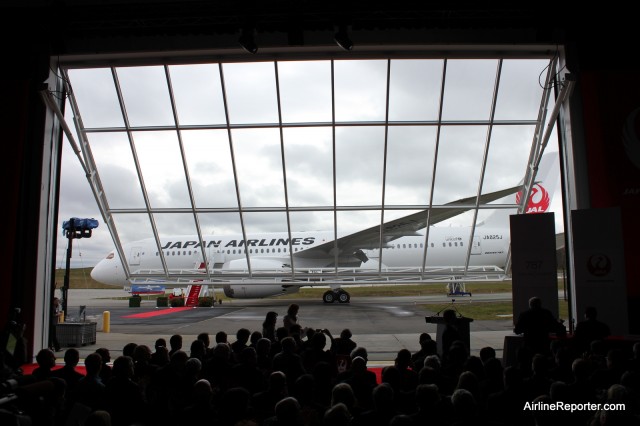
[309, 163]
[112, 154]
[459, 162]
[259, 165]
[131, 228]
[146, 96]
[415, 90]
[360, 90]
[409, 165]
[521, 87]
[209, 163]
[198, 94]
[251, 92]
[220, 224]
[263, 243]
[169, 224]
[305, 91]
[96, 97]
[359, 157]
[469, 89]
[162, 169]
[508, 157]
[357, 220]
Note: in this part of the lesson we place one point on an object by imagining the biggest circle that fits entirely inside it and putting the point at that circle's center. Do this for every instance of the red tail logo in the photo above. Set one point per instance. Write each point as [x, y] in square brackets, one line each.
[538, 201]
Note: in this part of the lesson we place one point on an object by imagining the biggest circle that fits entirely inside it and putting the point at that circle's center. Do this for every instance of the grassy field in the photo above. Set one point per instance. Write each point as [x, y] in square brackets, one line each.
[467, 306]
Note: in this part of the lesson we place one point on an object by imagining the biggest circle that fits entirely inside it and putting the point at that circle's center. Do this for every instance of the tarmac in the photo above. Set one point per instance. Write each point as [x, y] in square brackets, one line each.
[382, 325]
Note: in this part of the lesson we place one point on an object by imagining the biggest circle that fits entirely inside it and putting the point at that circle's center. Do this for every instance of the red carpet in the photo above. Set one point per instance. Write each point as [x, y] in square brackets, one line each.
[28, 368]
[159, 312]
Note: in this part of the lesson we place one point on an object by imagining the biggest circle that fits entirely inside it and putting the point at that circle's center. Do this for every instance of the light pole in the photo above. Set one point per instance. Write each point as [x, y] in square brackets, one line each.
[72, 229]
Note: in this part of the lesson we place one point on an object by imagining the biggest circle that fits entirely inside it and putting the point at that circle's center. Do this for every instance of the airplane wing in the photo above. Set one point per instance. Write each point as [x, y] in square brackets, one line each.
[401, 227]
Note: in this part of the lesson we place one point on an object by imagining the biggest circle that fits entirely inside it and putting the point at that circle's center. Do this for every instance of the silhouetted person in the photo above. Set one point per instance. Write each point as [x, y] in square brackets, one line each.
[105, 370]
[90, 391]
[288, 361]
[69, 374]
[160, 356]
[124, 397]
[269, 325]
[175, 343]
[46, 360]
[291, 317]
[56, 313]
[450, 333]
[590, 329]
[535, 324]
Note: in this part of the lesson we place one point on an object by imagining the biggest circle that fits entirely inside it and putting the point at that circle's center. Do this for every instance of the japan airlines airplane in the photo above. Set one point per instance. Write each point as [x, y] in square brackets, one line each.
[261, 265]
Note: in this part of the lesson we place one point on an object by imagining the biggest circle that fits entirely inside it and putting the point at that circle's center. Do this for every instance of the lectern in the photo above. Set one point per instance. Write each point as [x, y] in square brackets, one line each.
[462, 323]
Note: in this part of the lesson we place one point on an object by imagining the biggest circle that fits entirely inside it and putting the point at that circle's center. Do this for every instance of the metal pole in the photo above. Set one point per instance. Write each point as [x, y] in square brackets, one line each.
[65, 286]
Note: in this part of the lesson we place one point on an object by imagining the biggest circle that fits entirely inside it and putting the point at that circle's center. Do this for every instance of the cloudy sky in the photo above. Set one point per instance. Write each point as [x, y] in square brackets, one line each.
[260, 95]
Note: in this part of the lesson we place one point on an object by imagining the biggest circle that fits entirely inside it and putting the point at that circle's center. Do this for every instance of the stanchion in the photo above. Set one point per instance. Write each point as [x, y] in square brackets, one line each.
[106, 321]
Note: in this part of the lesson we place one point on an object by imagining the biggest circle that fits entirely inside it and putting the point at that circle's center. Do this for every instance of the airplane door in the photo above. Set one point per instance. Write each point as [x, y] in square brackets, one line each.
[217, 257]
[476, 248]
[134, 258]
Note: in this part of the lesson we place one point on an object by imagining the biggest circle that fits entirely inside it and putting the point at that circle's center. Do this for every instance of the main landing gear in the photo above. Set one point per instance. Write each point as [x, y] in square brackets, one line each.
[340, 295]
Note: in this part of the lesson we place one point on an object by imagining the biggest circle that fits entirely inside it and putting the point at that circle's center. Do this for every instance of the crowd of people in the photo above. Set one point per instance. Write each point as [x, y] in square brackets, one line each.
[287, 374]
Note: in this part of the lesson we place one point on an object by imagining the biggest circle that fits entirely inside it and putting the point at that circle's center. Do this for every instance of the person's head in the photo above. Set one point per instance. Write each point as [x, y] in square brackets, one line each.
[293, 309]
[243, 335]
[360, 351]
[271, 318]
[590, 313]
[423, 337]
[221, 337]
[71, 357]
[123, 366]
[487, 353]
[105, 354]
[128, 349]
[403, 358]
[56, 301]
[204, 337]
[142, 353]
[287, 411]
[535, 302]
[342, 392]
[449, 316]
[93, 364]
[176, 342]
[345, 334]
[46, 358]
[160, 343]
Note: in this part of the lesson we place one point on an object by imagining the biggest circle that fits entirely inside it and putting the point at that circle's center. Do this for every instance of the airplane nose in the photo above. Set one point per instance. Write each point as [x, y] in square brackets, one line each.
[108, 272]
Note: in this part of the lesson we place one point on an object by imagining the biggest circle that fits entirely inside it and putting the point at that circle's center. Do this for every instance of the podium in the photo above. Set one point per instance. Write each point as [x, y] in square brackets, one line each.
[462, 323]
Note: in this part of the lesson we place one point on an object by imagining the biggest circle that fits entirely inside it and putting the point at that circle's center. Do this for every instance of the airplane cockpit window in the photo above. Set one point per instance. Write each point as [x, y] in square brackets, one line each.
[205, 155]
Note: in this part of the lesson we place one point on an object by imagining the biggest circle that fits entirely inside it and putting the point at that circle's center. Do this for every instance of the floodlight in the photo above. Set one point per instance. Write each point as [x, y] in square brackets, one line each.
[342, 38]
[247, 40]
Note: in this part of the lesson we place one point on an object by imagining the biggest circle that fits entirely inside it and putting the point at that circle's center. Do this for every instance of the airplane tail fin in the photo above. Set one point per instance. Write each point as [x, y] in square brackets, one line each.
[541, 194]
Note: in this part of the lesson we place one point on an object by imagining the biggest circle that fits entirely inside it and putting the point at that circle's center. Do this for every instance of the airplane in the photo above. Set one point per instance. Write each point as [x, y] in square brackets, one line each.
[260, 265]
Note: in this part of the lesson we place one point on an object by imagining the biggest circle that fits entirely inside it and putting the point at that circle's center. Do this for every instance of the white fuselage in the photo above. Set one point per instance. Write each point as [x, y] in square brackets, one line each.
[447, 247]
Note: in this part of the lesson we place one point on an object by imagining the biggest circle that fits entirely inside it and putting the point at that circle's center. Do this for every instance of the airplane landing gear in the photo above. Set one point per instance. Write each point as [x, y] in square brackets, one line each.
[340, 295]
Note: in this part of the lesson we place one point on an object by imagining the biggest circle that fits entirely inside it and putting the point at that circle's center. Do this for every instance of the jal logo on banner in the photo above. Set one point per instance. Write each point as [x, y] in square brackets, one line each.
[599, 265]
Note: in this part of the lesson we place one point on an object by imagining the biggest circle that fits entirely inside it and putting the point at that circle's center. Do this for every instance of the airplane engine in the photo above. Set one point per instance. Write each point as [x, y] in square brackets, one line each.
[255, 289]
[246, 290]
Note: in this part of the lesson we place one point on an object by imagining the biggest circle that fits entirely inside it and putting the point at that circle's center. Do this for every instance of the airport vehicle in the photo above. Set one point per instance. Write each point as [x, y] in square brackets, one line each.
[269, 264]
